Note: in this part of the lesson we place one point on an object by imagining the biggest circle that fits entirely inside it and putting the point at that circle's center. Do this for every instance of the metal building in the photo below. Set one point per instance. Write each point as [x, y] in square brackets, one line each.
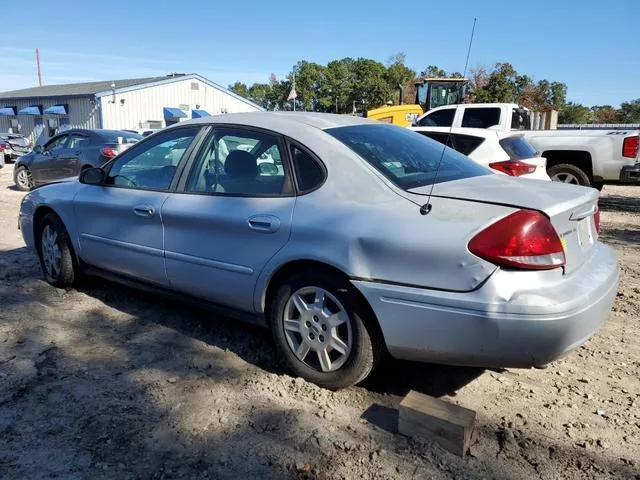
[140, 103]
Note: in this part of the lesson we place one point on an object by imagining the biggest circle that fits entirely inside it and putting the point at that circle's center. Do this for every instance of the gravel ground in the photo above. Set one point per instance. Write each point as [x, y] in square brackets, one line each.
[105, 382]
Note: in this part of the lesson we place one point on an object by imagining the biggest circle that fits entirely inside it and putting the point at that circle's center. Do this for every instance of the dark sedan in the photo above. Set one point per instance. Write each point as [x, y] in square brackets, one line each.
[68, 153]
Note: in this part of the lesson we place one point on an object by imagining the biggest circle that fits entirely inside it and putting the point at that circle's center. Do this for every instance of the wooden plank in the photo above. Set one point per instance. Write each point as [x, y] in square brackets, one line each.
[433, 419]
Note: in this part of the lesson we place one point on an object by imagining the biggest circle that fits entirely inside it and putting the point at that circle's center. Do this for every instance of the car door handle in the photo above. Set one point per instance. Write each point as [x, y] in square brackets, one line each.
[264, 223]
[144, 210]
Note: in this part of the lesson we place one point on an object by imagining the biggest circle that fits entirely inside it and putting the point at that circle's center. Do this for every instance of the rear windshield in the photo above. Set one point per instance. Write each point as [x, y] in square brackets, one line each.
[127, 137]
[407, 158]
[520, 119]
[518, 148]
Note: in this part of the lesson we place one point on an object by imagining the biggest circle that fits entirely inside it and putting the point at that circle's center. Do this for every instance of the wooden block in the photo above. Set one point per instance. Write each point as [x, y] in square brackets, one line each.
[433, 419]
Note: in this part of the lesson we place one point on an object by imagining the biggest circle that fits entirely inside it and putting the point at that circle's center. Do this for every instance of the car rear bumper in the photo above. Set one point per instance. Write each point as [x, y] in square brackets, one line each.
[516, 319]
[630, 173]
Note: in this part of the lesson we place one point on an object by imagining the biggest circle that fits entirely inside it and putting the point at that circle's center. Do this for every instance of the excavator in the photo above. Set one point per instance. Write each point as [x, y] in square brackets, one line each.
[430, 93]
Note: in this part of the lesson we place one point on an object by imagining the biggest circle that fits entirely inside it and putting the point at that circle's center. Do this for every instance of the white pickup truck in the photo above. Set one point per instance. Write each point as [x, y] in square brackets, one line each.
[584, 157]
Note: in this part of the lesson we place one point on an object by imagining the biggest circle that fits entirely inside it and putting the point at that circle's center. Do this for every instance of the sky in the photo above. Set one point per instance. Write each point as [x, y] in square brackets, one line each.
[591, 45]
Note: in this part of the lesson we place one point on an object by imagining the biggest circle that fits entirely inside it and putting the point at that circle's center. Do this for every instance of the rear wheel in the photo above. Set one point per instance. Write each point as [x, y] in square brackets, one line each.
[55, 251]
[23, 179]
[568, 173]
[318, 323]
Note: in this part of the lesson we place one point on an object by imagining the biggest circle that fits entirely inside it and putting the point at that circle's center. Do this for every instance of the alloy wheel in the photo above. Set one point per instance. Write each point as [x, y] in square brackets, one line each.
[565, 177]
[51, 254]
[24, 178]
[317, 329]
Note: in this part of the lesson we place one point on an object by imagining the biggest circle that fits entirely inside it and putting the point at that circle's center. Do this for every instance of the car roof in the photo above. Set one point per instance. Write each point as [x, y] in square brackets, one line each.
[96, 131]
[280, 120]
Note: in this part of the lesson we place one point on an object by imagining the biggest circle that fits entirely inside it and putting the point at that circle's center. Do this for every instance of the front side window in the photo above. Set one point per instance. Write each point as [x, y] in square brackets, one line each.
[152, 165]
[480, 117]
[439, 118]
[55, 144]
[406, 159]
[240, 162]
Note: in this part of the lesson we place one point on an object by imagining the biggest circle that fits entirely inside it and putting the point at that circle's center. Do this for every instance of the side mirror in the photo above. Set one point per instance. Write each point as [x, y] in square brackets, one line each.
[92, 176]
[38, 149]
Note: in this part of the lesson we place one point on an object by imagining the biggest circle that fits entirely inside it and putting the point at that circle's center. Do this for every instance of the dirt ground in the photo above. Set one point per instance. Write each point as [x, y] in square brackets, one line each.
[105, 382]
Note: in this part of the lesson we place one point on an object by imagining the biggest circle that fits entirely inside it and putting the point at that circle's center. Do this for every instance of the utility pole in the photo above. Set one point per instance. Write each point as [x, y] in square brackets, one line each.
[39, 71]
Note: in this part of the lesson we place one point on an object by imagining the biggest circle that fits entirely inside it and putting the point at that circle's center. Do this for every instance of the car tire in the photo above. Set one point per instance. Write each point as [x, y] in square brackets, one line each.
[568, 173]
[56, 253]
[22, 178]
[347, 328]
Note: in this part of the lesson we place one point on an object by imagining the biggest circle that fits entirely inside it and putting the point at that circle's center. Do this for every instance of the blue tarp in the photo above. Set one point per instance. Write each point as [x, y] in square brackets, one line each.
[56, 110]
[173, 113]
[8, 111]
[32, 110]
[199, 113]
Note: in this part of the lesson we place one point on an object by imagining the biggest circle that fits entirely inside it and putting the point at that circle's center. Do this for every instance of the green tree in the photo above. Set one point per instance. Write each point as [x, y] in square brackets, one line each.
[369, 87]
[398, 76]
[574, 113]
[629, 112]
[310, 81]
[240, 89]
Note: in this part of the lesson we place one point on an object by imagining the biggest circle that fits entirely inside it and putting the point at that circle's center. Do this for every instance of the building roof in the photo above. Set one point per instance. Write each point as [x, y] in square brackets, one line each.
[86, 88]
[104, 88]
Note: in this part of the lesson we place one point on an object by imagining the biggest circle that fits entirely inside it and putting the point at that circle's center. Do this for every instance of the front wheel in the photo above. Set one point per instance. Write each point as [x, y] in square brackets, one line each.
[55, 251]
[318, 323]
[23, 179]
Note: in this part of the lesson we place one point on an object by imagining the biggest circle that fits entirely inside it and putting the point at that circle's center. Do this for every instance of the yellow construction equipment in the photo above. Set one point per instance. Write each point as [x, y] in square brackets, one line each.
[430, 93]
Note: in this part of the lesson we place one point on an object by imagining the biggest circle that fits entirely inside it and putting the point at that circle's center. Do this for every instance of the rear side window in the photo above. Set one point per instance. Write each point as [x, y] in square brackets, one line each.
[476, 117]
[443, 138]
[439, 118]
[518, 148]
[466, 144]
[406, 159]
[127, 137]
[309, 174]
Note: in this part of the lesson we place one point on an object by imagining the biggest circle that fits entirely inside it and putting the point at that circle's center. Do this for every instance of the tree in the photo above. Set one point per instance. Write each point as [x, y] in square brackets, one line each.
[310, 80]
[604, 114]
[630, 111]
[574, 113]
[398, 75]
[369, 86]
[240, 89]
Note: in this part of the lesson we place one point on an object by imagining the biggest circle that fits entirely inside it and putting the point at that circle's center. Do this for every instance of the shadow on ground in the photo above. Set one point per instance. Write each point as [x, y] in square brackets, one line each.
[618, 203]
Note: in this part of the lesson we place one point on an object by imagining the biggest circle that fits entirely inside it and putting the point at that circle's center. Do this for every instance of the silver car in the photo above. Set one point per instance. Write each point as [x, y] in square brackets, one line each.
[346, 237]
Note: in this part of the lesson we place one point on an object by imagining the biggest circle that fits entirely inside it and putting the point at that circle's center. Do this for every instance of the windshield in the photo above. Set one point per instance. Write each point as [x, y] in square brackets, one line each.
[127, 137]
[407, 158]
[520, 119]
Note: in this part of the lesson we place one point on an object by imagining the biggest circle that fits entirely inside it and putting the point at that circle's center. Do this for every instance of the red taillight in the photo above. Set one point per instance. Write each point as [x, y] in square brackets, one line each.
[525, 239]
[108, 152]
[3, 146]
[630, 146]
[596, 220]
[513, 167]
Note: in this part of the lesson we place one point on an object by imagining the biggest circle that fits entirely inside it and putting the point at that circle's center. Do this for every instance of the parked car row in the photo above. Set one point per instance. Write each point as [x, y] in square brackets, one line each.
[347, 238]
[68, 153]
[13, 146]
[579, 157]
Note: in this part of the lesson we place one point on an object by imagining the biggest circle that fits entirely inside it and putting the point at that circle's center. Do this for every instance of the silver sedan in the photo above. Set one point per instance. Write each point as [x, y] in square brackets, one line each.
[345, 237]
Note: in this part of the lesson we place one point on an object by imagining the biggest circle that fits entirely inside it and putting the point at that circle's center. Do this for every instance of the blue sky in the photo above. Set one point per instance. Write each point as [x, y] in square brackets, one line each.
[591, 45]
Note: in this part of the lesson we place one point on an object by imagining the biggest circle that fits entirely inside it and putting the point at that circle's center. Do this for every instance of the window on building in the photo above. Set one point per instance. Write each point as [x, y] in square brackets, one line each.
[14, 125]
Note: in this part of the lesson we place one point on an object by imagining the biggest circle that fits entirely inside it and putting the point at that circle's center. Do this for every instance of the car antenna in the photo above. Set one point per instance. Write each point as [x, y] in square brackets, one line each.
[426, 208]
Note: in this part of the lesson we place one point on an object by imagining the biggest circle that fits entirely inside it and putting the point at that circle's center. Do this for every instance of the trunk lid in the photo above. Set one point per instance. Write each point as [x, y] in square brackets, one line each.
[570, 208]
